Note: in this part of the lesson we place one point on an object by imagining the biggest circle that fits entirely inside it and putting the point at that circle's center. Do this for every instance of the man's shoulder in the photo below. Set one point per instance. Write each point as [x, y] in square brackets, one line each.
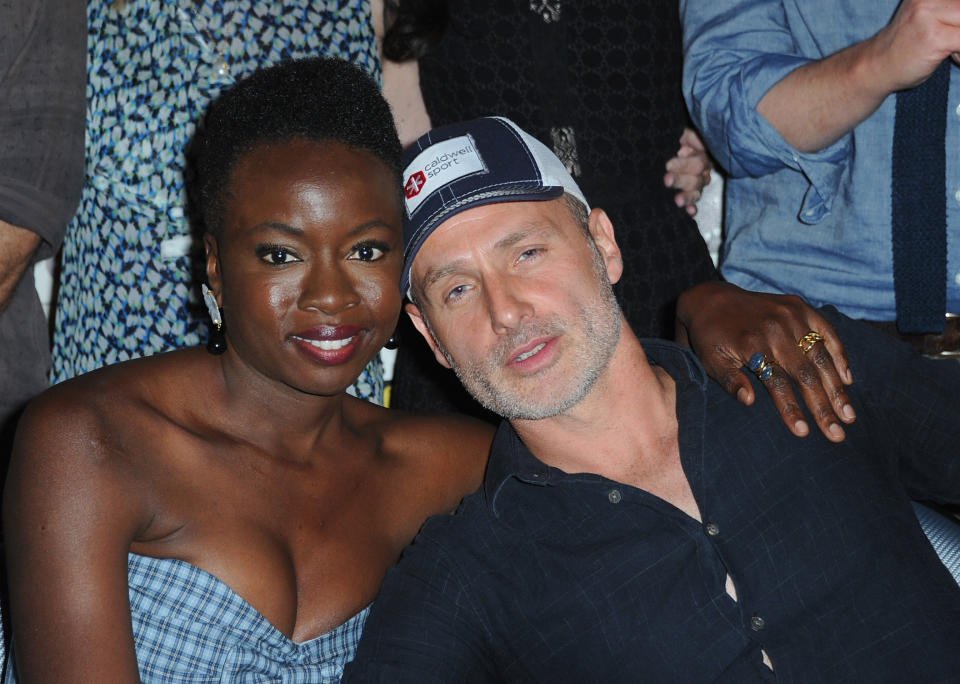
[473, 515]
[679, 361]
[461, 541]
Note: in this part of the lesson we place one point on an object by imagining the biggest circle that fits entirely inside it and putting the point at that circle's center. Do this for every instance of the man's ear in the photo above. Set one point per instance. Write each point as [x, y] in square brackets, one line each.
[214, 280]
[421, 325]
[602, 231]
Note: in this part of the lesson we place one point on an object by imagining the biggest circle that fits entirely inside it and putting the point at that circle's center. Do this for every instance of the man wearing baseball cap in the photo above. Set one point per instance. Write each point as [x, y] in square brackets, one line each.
[636, 522]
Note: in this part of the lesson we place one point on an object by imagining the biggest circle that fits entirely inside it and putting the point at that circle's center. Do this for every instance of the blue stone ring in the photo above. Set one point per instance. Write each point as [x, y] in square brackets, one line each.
[760, 367]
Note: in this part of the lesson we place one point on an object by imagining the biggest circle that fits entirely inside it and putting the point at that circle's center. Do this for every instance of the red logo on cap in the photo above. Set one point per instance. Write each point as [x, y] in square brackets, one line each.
[415, 184]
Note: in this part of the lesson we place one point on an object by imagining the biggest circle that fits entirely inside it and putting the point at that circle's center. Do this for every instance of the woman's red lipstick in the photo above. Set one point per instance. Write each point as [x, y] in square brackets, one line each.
[328, 344]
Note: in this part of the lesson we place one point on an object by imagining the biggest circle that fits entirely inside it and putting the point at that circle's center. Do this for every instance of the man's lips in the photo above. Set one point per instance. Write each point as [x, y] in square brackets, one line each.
[530, 353]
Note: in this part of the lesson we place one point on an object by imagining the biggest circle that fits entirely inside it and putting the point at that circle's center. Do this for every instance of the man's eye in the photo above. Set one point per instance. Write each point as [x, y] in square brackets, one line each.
[368, 251]
[531, 253]
[456, 292]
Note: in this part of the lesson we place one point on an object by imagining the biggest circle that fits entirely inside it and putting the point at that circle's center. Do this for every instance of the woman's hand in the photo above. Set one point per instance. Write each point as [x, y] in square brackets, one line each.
[689, 171]
[726, 325]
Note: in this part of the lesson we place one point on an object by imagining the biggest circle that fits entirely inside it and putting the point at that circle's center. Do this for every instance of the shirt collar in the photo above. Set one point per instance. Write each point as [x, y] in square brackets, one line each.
[510, 458]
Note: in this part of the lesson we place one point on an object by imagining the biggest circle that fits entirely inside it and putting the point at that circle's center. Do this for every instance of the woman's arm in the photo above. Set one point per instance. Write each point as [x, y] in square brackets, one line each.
[726, 325]
[69, 513]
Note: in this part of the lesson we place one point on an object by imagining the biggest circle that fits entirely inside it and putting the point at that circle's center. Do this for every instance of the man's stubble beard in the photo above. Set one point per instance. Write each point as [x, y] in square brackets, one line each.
[598, 323]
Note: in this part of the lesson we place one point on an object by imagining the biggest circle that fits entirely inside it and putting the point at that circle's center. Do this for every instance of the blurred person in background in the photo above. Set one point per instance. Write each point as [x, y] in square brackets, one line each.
[41, 171]
[838, 125]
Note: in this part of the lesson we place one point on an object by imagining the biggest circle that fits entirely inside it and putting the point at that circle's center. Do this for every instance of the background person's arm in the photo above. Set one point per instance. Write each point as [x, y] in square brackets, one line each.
[818, 103]
[401, 84]
[42, 108]
[735, 51]
[765, 98]
[17, 247]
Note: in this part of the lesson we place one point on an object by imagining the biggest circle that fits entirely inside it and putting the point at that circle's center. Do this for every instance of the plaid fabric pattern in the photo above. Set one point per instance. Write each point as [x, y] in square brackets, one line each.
[189, 626]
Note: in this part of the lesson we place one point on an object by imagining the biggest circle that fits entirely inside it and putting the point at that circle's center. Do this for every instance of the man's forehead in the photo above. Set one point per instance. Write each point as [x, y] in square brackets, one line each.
[492, 227]
[487, 229]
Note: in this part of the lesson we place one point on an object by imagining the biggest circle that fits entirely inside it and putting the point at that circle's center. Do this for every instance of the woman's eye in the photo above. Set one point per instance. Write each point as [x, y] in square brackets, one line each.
[276, 255]
[368, 252]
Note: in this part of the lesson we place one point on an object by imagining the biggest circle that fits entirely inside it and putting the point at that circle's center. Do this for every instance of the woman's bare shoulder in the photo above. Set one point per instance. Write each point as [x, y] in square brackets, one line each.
[446, 448]
[95, 446]
[429, 434]
[430, 461]
[91, 415]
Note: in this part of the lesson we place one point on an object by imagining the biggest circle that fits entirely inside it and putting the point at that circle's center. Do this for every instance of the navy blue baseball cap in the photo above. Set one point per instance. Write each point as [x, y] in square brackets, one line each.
[465, 165]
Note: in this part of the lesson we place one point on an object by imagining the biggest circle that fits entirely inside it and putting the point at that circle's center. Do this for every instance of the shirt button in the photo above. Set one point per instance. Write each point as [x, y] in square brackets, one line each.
[614, 496]
[712, 529]
[956, 278]
[956, 195]
[957, 110]
[757, 623]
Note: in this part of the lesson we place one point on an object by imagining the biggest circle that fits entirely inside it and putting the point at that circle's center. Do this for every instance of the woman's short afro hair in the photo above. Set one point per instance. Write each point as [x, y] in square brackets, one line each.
[320, 99]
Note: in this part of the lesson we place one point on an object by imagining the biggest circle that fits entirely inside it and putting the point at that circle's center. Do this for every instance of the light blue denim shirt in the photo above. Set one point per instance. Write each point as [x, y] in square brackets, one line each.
[815, 224]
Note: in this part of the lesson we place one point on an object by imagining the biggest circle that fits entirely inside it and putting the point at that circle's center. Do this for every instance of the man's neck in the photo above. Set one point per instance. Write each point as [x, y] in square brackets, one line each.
[622, 429]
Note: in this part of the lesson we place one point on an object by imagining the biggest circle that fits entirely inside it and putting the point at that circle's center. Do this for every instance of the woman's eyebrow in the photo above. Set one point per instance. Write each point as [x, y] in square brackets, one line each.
[276, 225]
[370, 225]
[293, 230]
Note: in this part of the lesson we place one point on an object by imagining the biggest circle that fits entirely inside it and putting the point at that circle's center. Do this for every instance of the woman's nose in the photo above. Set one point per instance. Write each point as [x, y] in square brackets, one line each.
[328, 288]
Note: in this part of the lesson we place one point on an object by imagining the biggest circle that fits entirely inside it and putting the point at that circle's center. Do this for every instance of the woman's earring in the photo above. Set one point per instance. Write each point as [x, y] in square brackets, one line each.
[393, 342]
[217, 344]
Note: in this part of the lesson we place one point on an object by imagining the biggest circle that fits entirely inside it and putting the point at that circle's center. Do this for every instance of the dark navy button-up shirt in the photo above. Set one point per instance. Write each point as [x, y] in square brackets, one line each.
[547, 576]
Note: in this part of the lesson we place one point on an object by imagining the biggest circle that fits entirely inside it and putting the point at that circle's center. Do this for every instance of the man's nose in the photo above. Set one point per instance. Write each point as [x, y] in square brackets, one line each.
[507, 304]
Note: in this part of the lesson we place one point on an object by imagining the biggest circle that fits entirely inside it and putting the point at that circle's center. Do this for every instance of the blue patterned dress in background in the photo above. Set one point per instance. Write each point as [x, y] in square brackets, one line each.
[130, 271]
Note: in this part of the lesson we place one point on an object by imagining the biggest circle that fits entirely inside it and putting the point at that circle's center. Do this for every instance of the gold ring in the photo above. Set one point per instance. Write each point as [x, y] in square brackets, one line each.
[807, 341]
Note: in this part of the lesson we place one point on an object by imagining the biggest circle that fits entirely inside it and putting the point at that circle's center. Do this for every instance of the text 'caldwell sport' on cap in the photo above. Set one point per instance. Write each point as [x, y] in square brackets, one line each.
[465, 165]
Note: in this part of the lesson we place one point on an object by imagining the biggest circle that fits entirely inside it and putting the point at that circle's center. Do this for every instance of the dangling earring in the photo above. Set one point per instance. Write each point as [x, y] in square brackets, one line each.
[393, 342]
[217, 344]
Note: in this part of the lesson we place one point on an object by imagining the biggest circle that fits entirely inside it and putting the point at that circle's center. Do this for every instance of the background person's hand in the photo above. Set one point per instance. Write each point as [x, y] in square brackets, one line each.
[726, 325]
[689, 171]
[921, 34]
